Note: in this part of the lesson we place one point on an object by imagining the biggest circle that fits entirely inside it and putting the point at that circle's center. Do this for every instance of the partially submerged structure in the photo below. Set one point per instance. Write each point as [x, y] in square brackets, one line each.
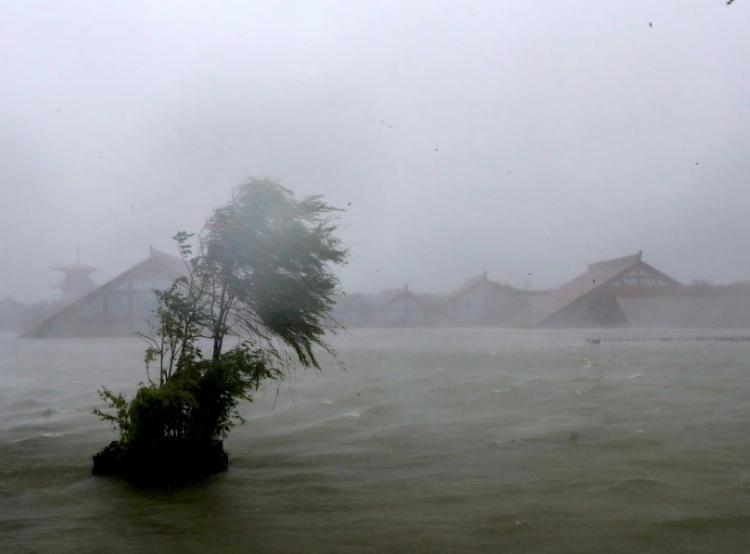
[12, 312]
[591, 299]
[622, 291]
[695, 306]
[351, 310]
[404, 309]
[120, 307]
[480, 301]
[76, 282]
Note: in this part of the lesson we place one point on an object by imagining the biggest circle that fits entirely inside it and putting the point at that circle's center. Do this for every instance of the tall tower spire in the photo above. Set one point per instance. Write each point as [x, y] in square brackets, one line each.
[77, 280]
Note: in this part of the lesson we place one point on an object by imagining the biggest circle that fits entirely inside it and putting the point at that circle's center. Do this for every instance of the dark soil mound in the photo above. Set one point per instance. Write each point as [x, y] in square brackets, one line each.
[168, 463]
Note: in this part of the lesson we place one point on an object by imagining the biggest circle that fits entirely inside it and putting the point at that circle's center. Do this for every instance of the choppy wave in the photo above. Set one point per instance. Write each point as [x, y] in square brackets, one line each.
[432, 440]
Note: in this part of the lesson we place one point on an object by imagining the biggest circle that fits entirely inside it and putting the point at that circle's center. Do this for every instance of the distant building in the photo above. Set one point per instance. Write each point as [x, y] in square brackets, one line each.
[591, 299]
[352, 310]
[695, 306]
[404, 309]
[76, 282]
[480, 301]
[12, 314]
[16, 316]
[120, 307]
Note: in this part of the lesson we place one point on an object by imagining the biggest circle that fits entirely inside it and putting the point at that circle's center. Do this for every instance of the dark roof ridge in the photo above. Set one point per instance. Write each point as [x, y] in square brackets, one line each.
[623, 260]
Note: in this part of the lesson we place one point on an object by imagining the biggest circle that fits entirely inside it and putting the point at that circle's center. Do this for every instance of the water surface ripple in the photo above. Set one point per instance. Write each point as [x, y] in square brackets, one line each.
[432, 440]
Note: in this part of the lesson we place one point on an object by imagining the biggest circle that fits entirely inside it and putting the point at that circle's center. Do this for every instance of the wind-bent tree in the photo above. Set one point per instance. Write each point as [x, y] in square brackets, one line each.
[262, 275]
[271, 257]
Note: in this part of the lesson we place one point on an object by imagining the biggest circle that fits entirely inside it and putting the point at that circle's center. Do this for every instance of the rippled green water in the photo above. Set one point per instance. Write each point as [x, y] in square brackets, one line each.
[430, 441]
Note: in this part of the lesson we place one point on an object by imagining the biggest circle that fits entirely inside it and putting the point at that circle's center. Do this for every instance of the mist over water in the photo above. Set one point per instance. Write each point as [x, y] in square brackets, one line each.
[520, 140]
[431, 440]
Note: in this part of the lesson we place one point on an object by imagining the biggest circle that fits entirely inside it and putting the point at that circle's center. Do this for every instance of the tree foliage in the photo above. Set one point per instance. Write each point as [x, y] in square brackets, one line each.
[262, 275]
[273, 256]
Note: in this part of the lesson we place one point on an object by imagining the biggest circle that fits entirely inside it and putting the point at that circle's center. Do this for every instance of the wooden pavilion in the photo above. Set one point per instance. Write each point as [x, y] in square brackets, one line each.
[590, 299]
[480, 301]
[120, 307]
[404, 309]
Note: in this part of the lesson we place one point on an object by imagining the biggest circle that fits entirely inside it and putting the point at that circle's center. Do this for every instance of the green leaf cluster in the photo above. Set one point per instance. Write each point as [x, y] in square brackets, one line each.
[276, 254]
[197, 404]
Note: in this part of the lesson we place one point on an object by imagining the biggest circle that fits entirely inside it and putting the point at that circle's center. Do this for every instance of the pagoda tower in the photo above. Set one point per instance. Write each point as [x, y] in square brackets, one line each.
[77, 280]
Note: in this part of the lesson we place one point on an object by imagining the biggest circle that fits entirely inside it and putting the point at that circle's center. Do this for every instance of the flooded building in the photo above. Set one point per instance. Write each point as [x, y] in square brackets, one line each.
[480, 301]
[591, 299]
[76, 281]
[404, 309]
[12, 314]
[352, 310]
[696, 306]
[121, 306]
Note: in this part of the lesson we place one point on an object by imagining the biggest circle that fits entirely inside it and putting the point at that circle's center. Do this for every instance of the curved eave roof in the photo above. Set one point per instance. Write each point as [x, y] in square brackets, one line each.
[597, 276]
[175, 264]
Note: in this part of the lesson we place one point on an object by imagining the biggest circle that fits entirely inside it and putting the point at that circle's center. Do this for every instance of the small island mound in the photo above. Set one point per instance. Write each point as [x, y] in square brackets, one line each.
[261, 277]
[172, 462]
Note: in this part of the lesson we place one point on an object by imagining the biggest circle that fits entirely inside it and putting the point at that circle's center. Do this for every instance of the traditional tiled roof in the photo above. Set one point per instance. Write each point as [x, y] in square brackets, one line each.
[472, 283]
[401, 296]
[598, 275]
[172, 264]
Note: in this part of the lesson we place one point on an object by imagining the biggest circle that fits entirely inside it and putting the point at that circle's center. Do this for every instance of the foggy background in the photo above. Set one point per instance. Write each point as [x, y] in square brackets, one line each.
[518, 137]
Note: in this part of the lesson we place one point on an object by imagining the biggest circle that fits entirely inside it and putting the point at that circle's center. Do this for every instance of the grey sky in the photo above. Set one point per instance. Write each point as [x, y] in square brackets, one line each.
[512, 136]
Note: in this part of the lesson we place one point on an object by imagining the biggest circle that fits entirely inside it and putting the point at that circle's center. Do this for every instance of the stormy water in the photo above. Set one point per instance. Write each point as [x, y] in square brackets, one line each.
[431, 440]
